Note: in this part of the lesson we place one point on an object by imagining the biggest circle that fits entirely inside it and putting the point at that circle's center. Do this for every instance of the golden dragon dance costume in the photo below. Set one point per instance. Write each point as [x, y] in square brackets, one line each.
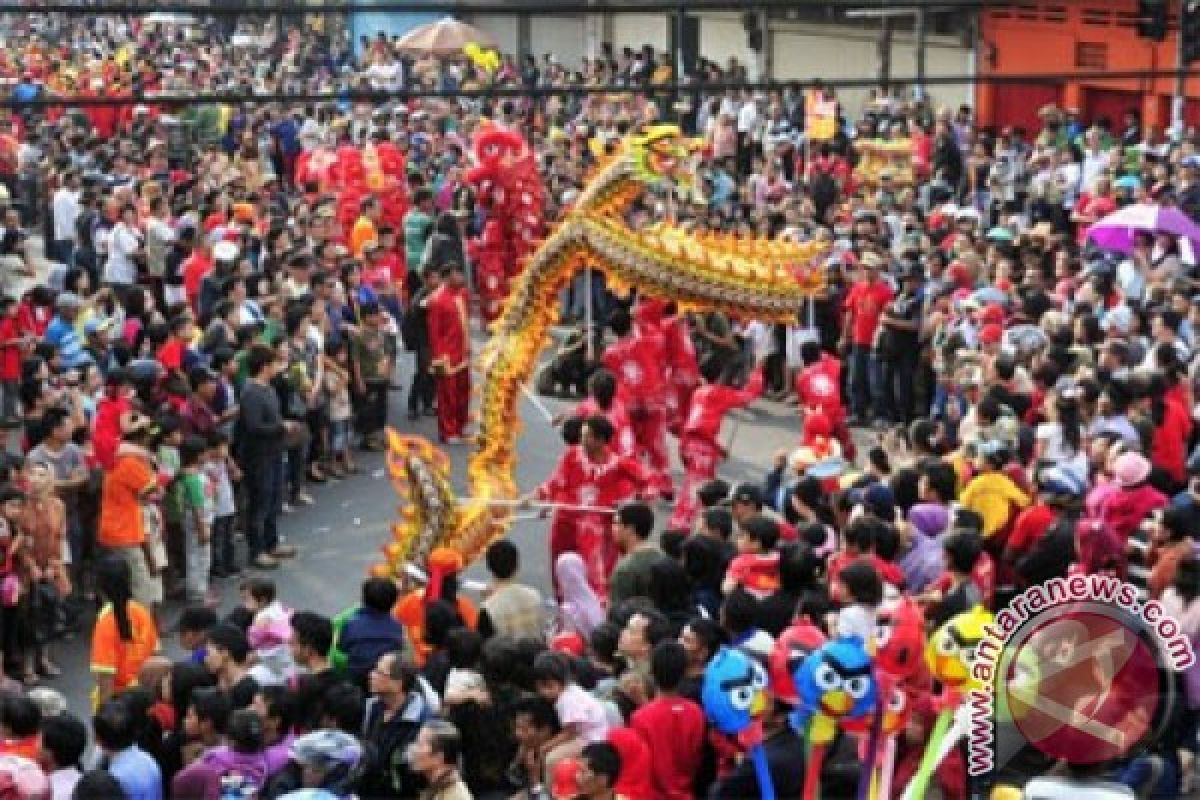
[752, 278]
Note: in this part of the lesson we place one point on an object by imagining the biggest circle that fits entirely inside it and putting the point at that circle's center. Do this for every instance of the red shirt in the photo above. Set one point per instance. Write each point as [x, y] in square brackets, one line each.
[579, 480]
[673, 728]
[1169, 447]
[681, 352]
[393, 262]
[33, 319]
[446, 314]
[819, 385]
[712, 401]
[106, 432]
[170, 355]
[757, 573]
[638, 363]
[865, 304]
[624, 443]
[194, 268]
[1031, 525]
[10, 349]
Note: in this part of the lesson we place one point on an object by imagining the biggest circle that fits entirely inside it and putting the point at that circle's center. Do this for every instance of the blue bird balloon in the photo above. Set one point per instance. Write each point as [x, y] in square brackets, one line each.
[734, 695]
[733, 690]
[835, 682]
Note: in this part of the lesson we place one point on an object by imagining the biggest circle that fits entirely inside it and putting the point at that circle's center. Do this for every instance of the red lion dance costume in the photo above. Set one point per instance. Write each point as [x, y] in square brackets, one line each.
[509, 189]
[351, 173]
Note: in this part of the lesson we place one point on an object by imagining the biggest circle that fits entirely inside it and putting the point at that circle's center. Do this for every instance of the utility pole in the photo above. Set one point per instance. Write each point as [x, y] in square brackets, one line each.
[885, 53]
[919, 32]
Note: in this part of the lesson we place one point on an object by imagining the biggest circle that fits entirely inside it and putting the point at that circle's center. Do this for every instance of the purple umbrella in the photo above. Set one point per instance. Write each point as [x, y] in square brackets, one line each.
[1117, 230]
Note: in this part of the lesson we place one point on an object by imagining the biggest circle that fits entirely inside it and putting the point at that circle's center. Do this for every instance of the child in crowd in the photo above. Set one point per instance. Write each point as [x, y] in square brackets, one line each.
[194, 501]
[581, 715]
[862, 589]
[756, 567]
[269, 633]
[341, 409]
[194, 624]
[219, 468]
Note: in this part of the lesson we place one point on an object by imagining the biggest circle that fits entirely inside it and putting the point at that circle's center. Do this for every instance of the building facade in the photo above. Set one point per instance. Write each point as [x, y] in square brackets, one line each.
[1073, 36]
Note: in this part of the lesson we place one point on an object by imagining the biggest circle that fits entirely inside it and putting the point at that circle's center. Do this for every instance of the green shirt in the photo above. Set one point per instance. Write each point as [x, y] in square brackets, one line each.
[370, 351]
[418, 227]
[632, 577]
[185, 497]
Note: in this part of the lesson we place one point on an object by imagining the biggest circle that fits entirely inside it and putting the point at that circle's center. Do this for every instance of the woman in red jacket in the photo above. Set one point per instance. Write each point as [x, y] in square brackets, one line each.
[1172, 424]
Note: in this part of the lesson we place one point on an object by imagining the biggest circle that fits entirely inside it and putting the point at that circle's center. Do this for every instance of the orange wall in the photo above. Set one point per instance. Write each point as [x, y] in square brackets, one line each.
[1042, 38]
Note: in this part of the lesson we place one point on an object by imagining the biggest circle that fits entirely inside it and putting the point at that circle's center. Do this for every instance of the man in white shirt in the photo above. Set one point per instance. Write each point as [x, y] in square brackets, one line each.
[747, 132]
[65, 209]
[120, 269]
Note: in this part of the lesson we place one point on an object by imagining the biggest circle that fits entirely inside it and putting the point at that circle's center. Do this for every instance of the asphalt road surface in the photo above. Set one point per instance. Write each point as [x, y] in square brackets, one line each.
[341, 535]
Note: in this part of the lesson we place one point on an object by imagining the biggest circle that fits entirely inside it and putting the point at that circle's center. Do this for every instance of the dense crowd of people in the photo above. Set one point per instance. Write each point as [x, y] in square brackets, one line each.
[986, 401]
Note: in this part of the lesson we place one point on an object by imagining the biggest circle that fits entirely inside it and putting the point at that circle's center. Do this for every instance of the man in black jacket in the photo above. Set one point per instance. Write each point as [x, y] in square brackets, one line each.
[262, 431]
[416, 340]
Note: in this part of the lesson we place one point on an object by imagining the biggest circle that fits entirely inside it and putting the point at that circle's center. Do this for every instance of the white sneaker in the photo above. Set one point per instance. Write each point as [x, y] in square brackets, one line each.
[288, 508]
[305, 498]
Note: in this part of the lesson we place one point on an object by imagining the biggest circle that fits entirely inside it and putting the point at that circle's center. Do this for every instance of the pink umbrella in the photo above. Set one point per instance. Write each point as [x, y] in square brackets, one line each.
[1117, 230]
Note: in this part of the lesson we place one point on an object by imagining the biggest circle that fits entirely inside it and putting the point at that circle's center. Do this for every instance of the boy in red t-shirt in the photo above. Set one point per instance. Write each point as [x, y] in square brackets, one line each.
[756, 566]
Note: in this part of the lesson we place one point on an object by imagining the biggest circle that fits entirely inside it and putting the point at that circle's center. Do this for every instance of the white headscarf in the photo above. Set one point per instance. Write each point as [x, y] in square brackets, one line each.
[580, 608]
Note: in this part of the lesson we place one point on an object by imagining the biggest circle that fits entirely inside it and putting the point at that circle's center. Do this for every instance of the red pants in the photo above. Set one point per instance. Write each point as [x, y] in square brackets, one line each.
[650, 430]
[700, 458]
[453, 401]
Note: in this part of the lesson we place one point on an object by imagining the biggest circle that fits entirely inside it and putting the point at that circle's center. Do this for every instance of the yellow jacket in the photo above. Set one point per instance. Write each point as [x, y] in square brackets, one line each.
[992, 495]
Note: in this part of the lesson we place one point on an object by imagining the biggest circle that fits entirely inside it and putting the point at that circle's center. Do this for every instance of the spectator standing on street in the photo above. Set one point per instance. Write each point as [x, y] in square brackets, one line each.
[124, 635]
[418, 228]
[65, 208]
[127, 486]
[262, 432]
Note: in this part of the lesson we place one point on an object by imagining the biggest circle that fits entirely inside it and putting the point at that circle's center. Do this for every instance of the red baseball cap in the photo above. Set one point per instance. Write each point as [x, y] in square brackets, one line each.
[991, 334]
[993, 314]
[564, 779]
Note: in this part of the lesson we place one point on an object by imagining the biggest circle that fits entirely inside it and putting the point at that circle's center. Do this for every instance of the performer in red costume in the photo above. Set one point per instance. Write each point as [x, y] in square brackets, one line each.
[592, 474]
[638, 359]
[446, 315]
[683, 371]
[699, 449]
[819, 386]
[602, 400]
[509, 188]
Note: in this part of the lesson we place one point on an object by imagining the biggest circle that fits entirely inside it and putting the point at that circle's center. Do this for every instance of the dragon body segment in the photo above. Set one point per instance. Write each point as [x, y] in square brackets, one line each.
[770, 280]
